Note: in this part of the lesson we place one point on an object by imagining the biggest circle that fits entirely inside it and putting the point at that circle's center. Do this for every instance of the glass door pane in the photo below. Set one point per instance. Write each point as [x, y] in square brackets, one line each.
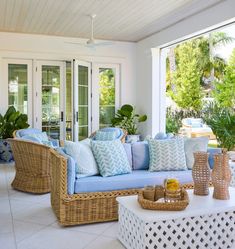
[18, 87]
[82, 102]
[69, 102]
[106, 96]
[51, 100]
[82, 98]
[17, 92]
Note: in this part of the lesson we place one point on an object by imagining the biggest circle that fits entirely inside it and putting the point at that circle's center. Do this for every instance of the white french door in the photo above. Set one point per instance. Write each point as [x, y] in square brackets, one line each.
[82, 99]
[50, 98]
[18, 79]
[105, 94]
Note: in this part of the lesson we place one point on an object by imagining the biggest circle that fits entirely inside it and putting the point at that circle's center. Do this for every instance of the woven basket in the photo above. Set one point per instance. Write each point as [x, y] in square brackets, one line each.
[167, 206]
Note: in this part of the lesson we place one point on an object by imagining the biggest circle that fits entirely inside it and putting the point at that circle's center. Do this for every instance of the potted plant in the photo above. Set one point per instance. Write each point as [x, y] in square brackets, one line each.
[222, 122]
[11, 121]
[127, 119]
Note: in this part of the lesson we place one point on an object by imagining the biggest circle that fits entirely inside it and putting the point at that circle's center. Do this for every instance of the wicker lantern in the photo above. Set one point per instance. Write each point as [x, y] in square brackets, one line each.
[221, 176]
[201, 173]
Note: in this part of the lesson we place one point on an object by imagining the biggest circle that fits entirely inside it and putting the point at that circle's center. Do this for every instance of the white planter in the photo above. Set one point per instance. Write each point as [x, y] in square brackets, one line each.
[132, 138]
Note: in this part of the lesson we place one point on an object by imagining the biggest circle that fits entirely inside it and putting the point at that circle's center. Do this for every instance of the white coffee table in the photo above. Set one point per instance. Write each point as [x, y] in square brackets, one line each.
[205, 223]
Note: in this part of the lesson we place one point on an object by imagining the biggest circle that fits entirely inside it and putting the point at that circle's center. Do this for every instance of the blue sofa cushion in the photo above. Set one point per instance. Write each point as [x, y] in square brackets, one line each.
[192, 145]
[137, 179]
[127, 147]
[140, 155]
[71, 172]
[212, 152]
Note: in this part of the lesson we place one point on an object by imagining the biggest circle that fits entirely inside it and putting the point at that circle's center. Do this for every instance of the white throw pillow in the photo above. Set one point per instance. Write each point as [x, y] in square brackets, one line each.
[82, 154]
[192, 145]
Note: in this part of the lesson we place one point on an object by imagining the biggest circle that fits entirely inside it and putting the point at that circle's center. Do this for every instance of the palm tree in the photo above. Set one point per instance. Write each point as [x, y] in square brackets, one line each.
[210, 64]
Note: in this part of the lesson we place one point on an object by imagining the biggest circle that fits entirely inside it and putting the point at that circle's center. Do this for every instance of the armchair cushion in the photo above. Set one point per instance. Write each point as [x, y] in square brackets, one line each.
[28, 131]
[105, 135]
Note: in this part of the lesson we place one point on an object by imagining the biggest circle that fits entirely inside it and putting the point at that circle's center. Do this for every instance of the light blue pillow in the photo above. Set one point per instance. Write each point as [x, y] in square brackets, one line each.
[110, 157]
[192, 145]
[167, 154]
[105, 135]
[82, 154]
[42, 136]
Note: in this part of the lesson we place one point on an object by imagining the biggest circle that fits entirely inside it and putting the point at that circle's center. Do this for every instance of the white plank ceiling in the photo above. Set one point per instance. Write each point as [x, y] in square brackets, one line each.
[123, 20]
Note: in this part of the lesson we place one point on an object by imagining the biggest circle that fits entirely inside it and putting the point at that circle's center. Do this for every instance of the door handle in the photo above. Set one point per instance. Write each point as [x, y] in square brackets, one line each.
[61, 116]
[77, 116]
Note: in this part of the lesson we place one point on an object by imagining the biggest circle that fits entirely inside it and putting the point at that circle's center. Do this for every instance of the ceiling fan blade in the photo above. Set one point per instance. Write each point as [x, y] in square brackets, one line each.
[108, 43]
[75, 43]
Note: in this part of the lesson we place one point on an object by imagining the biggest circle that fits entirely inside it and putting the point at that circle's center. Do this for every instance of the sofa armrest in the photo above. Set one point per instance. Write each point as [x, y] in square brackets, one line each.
[212, 151]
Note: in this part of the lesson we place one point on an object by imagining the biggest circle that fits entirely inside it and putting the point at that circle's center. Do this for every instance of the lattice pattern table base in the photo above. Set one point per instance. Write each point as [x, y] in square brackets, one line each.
[215, 231]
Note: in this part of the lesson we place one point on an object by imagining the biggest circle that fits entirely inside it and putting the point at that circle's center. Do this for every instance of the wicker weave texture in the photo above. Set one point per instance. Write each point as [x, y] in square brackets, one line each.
[166, 206]
[221, 176]
[82, 208]
[201, 173]
[32, 166]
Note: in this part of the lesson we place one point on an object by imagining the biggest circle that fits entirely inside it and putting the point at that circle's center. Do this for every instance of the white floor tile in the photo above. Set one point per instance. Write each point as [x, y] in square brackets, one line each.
[24, 230]
[36, 213]
[96, 229]
[7, 241]
[105, 242]
[6, 225]
[57, 238]
[112, 231]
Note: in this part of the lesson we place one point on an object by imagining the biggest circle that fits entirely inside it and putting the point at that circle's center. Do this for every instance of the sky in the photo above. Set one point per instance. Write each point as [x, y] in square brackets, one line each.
[225, 51]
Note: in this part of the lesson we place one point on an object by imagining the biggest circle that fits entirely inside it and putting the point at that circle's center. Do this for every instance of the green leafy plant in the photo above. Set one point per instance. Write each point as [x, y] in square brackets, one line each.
[127, 119]
[11, 121]
[222, 122]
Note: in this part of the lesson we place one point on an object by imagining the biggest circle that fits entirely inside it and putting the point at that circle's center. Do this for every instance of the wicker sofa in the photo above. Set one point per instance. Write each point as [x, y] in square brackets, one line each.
[94, 197]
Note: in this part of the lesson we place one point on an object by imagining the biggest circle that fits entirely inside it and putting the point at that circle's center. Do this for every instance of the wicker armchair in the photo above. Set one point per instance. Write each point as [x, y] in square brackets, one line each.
[33, 173]
[82, 208]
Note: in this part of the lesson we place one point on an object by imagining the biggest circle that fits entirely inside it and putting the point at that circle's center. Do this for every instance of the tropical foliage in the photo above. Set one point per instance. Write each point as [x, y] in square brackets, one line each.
[11, 121]
[127, 119]
[222, 122]
[224, 92]
[193, 67]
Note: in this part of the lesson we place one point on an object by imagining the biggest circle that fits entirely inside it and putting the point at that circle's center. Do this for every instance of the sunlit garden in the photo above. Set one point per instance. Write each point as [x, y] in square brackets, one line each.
[200, 88]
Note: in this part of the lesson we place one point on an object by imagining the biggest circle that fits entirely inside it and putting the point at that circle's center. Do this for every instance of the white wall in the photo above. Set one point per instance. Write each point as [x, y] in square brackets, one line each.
[148, 80]
[25, 46]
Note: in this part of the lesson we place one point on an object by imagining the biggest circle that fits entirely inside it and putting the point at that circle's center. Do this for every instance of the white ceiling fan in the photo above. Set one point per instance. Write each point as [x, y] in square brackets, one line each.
[92, 43]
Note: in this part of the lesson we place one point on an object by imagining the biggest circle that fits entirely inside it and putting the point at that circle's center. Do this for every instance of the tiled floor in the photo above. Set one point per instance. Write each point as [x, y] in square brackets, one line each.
[27, 222]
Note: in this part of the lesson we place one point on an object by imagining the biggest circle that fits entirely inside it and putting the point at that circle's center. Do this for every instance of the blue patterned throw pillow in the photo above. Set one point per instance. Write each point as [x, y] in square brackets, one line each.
[105, 135]
[110, 157]
[167, 154]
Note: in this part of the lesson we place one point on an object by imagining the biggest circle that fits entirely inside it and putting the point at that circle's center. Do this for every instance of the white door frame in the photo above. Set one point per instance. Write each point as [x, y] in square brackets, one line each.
[95, 90]
[76, 64]
[29, 64]
[38, 94]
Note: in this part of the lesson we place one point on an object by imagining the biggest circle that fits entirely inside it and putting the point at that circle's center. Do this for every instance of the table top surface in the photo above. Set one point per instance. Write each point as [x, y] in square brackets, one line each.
[198, 205]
